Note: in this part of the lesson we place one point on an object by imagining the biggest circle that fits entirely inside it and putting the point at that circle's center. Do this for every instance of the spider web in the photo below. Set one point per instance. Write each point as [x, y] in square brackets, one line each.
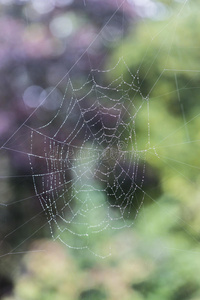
[89, 174]
[92, 164]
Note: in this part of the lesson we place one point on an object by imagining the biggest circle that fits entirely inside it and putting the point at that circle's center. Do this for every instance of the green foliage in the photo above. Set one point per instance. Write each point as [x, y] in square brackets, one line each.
[164, 57]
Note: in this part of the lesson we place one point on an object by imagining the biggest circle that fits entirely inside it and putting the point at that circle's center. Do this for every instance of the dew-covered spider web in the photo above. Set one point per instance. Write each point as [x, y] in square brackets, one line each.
[93, 166]
[89, 173]
[88, 142]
